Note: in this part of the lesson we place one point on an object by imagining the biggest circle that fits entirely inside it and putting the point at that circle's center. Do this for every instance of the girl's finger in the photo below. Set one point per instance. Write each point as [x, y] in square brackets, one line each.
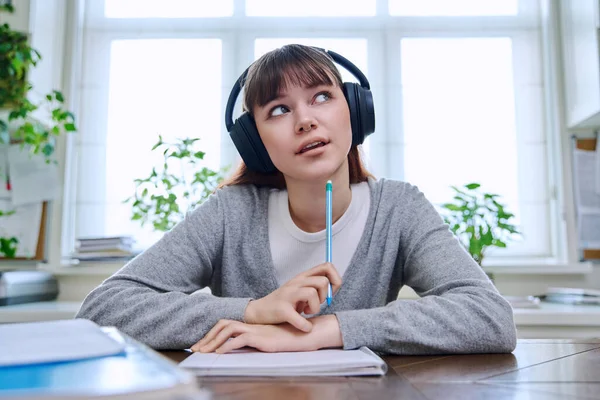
[310, 295]
[232, 330]
[233, 344]
[326, 269]
[318, 282]
[212, 333]
[292, 317]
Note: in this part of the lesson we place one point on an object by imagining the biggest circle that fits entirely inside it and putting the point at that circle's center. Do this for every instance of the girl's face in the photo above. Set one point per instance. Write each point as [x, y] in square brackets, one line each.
[306, 131]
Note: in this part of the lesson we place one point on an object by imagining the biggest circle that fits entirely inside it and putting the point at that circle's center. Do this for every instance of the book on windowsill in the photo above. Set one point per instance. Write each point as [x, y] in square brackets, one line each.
[104, 249]
[571, 299]
[523, 301]
[98, 240]
[104, 243]
[573, 296]
[104, 255]
[554, 291]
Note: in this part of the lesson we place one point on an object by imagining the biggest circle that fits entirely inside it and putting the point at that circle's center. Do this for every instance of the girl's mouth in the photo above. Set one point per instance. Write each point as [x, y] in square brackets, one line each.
[312, 146]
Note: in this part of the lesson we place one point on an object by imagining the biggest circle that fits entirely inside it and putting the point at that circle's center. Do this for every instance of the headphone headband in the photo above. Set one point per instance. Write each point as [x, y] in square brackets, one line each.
[341, 60]
[245, 135]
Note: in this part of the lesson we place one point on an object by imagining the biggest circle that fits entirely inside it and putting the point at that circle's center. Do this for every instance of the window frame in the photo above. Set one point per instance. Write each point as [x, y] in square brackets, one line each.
[382, 33]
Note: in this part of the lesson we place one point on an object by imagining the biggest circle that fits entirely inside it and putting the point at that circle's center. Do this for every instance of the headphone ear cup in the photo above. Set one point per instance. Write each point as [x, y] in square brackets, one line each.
[362, 111]
[247, 140]
[351, 97]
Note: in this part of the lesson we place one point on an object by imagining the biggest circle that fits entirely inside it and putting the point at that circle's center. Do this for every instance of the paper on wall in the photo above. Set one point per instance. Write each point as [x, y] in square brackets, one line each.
[587, 199]
[32, 180]
[4, 193]
[24, 224]
[597, 166]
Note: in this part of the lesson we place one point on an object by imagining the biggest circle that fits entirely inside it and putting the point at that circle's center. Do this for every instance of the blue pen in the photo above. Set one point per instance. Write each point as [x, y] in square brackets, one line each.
[328, 189]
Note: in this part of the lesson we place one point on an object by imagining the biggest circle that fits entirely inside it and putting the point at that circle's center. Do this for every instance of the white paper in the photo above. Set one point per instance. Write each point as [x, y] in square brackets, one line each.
[64, 340]
[4, 193]
[32, 179]
[249, 362]
[24, 224]
[587, 200]
[598, 166]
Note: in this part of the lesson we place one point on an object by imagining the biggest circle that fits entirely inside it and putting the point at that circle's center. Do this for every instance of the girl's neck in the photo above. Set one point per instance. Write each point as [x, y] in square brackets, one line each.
[307, 201]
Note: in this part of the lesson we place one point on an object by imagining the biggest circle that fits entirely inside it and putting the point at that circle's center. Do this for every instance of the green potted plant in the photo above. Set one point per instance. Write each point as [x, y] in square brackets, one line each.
[163, 198]
[8, 245]
[34, 126]
[479, 220]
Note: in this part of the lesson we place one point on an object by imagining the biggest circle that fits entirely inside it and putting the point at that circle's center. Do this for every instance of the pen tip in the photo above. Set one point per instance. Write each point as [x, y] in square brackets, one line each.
[328, 185]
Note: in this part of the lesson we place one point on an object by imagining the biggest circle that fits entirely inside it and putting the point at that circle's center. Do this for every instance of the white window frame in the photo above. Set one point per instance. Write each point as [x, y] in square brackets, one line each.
[383, 33]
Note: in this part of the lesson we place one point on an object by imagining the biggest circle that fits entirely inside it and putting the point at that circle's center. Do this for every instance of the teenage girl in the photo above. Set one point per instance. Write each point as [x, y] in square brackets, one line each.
[259, 241]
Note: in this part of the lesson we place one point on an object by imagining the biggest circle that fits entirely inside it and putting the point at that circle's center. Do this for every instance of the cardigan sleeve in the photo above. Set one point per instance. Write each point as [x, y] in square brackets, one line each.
[155, 298]
[459, 309]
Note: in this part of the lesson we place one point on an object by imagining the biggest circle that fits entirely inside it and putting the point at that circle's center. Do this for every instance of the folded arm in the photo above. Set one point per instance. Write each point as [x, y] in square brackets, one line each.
[155, 298]
[460, 310]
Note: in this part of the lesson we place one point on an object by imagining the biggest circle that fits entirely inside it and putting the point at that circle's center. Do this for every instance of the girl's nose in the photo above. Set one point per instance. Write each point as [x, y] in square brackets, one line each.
[305, 124]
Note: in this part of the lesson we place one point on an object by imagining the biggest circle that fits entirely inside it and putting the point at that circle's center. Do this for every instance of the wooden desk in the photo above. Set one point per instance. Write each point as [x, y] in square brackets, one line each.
[538, 369]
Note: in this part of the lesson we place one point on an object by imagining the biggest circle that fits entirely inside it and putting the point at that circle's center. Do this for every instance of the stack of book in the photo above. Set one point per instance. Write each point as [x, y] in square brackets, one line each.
[523, 301]
[104, 248]
[577, 296]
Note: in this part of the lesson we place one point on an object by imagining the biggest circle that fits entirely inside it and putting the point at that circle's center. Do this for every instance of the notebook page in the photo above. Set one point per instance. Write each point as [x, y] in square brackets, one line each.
[320, 362]
[54, 341]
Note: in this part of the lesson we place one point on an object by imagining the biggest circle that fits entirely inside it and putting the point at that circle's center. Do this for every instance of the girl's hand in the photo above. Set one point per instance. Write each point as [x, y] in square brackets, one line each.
[303, 293]
[270, 338]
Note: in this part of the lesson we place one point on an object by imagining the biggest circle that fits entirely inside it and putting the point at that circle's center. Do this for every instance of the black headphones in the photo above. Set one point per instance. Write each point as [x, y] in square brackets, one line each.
[247, 140]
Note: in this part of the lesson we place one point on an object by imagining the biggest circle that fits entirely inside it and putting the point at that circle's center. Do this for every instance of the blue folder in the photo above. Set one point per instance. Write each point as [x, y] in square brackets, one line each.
[137, 370]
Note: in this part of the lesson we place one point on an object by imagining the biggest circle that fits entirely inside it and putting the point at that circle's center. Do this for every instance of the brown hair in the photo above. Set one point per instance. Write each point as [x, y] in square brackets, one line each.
[292, 64]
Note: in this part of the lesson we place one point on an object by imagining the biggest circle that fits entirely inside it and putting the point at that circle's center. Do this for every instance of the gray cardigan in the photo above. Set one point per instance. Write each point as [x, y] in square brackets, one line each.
[224, 244]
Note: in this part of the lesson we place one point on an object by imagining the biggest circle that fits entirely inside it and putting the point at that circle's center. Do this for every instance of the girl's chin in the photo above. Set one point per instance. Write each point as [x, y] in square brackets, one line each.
[314, 173]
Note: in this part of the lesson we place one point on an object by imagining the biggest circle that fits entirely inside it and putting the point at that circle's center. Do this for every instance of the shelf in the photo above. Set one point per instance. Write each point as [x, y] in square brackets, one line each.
[537, 268]
[42, 311]
[550, 314]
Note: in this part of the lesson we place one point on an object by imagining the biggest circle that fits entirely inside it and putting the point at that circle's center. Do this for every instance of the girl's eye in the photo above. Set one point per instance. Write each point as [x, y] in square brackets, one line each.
[321, 97]
[278, 110]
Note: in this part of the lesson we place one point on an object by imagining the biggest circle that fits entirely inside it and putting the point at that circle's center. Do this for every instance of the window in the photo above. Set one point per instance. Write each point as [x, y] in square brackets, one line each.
[147, 97]
[432, 8]
[310, 8]
[468, 84]
[170, 9]
[456, 86]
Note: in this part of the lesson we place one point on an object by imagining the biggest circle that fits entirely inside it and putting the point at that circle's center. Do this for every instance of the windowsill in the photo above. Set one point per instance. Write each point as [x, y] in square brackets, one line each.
[550, 314]
[104, 268]
[535, 267]
[43, 311]
[540, 266]
[557, 315]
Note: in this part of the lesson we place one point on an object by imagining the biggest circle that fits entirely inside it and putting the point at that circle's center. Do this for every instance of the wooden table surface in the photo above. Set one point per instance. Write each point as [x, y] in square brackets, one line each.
[552, 369]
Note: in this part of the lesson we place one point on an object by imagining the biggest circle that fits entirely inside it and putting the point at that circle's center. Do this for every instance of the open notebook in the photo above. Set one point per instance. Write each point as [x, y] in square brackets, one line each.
[249, 362]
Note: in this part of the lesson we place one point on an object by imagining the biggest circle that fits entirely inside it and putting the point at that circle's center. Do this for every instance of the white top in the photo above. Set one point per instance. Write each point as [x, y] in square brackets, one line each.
[295, 251]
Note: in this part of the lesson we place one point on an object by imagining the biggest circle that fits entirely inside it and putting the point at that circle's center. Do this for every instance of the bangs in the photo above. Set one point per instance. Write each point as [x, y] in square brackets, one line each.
[288, 66]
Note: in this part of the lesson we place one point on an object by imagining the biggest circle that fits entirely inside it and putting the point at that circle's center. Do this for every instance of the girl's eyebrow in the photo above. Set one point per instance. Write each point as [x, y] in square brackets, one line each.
[281, 95]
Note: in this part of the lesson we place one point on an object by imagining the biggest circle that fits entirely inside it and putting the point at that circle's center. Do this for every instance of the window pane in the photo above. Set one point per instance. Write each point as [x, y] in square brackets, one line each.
[310, 8]
[170, 9]
[170, 87]
[354, 50]
[459, 116]
[453, 8]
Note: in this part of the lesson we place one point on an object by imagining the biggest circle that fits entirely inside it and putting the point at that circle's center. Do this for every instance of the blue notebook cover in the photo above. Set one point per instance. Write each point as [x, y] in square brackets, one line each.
[137, 370]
